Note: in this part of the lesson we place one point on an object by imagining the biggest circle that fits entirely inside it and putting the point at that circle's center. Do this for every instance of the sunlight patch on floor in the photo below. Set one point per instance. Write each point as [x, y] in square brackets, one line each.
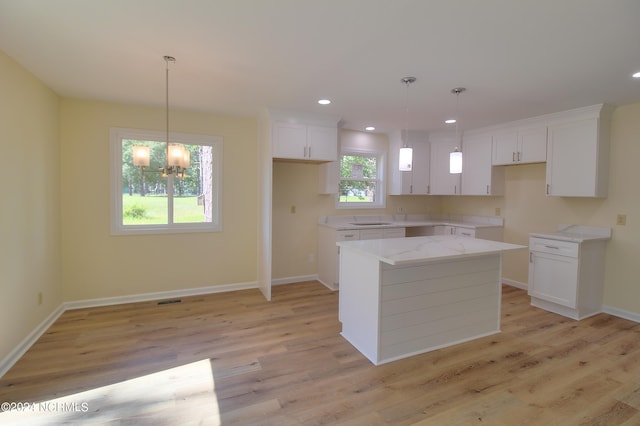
[146, 398]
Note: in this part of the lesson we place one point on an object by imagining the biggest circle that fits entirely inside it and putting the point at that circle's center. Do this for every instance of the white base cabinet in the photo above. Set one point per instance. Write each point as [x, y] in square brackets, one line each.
[329, 253]
[493, 233]
[566, 277]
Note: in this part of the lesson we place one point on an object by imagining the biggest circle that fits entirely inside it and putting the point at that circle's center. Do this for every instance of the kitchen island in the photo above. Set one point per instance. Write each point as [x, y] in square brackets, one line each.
[404, 296]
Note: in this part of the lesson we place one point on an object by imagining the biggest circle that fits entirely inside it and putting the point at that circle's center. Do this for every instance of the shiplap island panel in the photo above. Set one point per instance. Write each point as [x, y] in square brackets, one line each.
[404, 296]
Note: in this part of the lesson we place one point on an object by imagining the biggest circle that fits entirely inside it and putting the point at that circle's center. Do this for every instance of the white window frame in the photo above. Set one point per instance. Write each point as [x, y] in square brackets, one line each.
[116, 136]
[381, 183]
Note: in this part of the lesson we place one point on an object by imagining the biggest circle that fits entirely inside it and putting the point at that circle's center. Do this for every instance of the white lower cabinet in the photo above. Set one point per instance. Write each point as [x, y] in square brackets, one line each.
[566, 277]
[493, 233]
[329, 253]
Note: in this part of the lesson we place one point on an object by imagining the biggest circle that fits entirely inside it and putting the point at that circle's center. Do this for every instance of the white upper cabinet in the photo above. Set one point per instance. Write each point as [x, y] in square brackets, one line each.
[441, 181]
[305, 142]
[416, 181]
[519, 146]
[578, 154]
[322, 143]
[479, 177]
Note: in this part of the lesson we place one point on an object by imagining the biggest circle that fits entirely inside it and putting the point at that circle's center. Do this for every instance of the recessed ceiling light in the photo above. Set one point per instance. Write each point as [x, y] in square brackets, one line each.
[636, 75]
[370, 128]
[324, 101]
[450, 121]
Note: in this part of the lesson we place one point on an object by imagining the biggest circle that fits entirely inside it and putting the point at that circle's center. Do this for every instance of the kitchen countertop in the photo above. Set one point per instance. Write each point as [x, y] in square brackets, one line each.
[344, 223]
[576, 233]
[403, 251]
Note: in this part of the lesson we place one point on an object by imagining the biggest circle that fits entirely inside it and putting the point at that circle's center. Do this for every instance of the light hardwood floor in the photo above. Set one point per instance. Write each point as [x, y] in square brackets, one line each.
[233, 358]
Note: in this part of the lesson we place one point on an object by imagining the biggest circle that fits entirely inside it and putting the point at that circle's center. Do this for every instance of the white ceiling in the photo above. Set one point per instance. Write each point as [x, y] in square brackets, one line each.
[516, 58]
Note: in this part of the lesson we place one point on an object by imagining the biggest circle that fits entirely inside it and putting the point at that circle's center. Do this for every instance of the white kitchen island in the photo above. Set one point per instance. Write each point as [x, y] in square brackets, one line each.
[404, 296]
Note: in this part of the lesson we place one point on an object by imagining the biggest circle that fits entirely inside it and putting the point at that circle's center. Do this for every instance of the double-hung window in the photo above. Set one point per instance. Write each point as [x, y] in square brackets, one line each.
[362, 182]
[146, 201]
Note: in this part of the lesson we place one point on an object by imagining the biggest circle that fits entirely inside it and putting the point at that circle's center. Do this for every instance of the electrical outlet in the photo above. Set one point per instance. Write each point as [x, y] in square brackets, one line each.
[312, 257]
[621, 219]
[399, 209]
[497, 211]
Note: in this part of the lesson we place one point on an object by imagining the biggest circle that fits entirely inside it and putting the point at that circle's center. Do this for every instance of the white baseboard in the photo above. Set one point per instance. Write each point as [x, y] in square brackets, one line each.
[631, 316]
[8, 361]
[291, 280]
[516, 284]
[145, 297]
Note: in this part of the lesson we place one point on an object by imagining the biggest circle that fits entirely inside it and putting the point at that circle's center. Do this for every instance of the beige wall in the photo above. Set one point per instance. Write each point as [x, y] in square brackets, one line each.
[96, 264]
[30, 210]
[526, 209]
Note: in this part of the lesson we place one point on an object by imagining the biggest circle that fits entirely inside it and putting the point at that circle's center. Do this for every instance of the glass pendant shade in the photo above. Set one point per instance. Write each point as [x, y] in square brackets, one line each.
[141, 156]
[405, 163]
[176, 154]
[455, 162]
[186, 159]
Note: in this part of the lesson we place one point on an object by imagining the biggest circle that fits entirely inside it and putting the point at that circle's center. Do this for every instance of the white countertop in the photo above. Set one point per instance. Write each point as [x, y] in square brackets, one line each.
[576, 233]
[344, 223]
[402, 251]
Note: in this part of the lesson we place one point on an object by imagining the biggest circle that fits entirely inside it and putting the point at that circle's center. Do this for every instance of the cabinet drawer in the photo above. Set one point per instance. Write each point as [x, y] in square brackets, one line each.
[371, 234]
[561, 248]
[466, 232]
[347, 235]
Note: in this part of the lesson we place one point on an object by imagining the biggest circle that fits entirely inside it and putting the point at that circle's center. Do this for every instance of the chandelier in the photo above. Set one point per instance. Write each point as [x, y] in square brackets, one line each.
[177, 157]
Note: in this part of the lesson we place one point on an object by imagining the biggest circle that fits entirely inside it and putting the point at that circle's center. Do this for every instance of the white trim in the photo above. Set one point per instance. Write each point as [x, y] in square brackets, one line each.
[621, 313]
[116, 136]
[292, 280]
[145, 297]
[12, 357]
[516, 284]
[8, 361]
[381, 179]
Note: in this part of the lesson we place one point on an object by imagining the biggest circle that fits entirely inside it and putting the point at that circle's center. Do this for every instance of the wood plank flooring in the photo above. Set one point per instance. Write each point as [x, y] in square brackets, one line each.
[234, 358]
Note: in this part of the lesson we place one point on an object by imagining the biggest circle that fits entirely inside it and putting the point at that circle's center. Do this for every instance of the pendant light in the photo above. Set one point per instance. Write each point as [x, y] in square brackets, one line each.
[177, 157]
[405, 162]
[455, 157]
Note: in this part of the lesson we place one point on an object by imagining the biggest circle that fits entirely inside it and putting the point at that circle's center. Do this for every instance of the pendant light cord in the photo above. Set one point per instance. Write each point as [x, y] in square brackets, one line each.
[167, 59]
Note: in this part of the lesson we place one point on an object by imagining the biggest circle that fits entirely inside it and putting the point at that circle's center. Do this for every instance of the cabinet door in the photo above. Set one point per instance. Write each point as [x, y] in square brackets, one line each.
[553, 278]
[572, 163]
[505, 148]
[441, 181]
[289, 140]
[322, 143]
[420, 172]
[532, 145]
[476, 166]
[443, 230]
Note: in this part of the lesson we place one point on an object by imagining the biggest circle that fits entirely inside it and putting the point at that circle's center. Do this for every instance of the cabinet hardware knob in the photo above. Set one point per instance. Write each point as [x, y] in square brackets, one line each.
[513, 157]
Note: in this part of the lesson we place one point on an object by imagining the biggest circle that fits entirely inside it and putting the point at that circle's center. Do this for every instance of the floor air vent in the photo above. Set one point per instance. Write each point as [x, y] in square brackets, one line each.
[169, 302]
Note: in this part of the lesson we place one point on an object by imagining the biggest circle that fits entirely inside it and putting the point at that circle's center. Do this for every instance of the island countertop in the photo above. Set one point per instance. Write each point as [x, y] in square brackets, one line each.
[404, 251]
